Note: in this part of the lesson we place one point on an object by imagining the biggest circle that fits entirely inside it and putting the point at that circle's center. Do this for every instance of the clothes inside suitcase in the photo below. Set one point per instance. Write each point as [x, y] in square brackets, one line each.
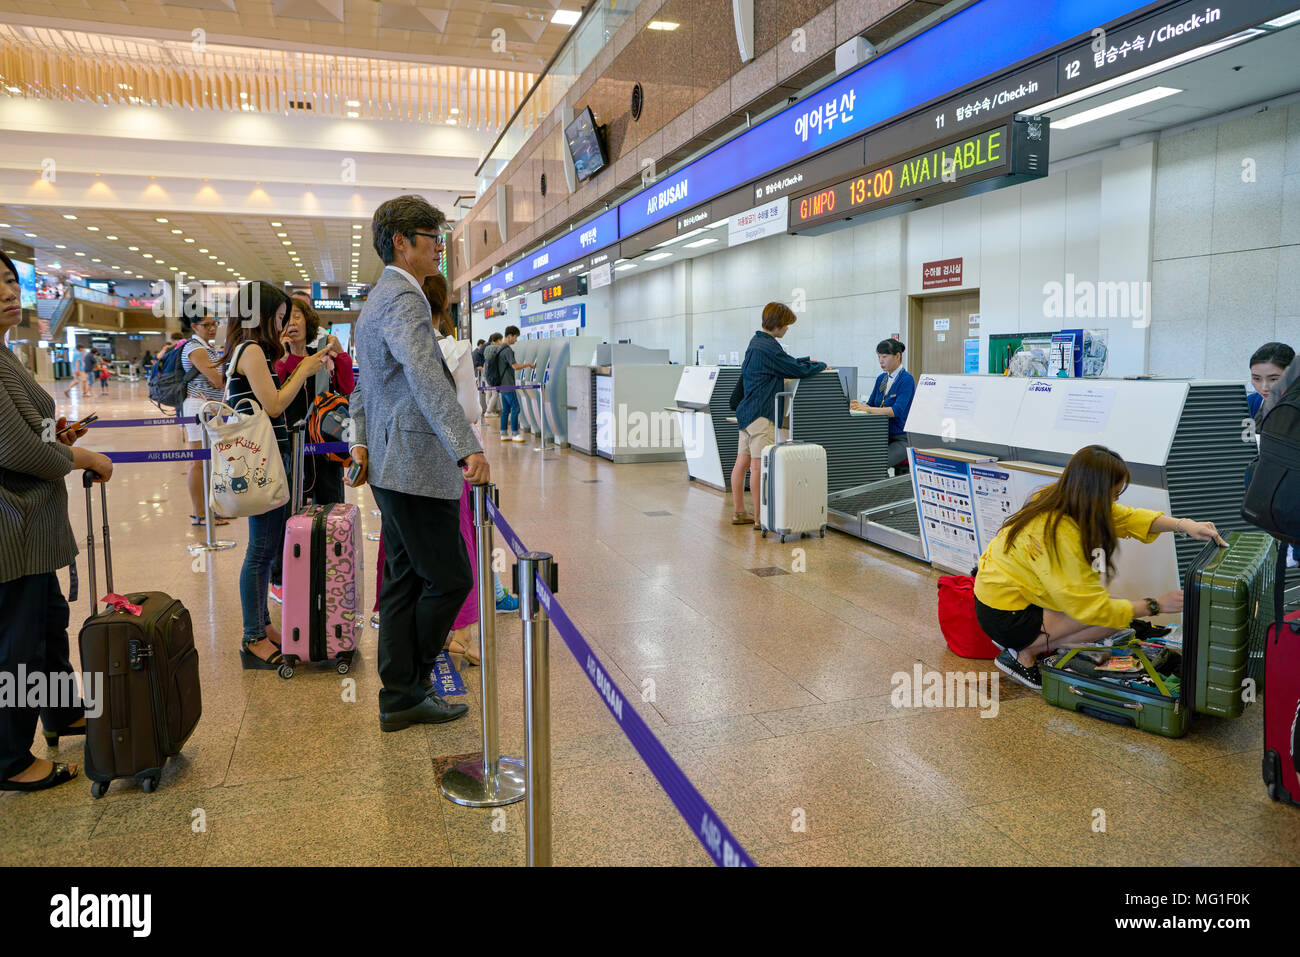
[1228, 594]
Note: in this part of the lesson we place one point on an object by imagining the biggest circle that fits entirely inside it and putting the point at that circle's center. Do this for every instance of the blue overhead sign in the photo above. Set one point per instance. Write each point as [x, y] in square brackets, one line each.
[566, 317]
[596, 234]
[979, 41]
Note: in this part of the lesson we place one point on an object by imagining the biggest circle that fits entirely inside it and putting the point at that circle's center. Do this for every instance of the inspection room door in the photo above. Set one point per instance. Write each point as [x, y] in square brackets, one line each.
[938, 327]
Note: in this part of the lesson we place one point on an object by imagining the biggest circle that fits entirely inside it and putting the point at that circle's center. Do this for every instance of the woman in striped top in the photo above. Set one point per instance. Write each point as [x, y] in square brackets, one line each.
[35, 541]
[250, 373]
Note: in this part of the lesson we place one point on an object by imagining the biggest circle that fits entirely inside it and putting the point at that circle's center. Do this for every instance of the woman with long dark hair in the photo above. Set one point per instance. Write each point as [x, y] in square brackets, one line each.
[250, 373]
[1040, 583]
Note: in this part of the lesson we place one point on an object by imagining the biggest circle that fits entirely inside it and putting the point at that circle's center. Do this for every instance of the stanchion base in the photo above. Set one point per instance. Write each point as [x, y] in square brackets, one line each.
[464, 784]
[217, 546]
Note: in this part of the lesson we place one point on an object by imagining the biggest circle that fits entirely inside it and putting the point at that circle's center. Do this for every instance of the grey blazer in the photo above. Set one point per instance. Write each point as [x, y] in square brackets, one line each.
[404, 409]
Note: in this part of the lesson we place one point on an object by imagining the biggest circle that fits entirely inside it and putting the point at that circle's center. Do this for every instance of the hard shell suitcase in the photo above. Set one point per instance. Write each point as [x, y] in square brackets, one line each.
[794, 486]
[1226, 595]
[1282, 701]
[322, 598]
[150, 668]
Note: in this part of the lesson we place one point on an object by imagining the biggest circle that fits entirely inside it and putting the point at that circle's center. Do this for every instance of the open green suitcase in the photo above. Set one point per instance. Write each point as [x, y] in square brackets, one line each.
[1227, 602]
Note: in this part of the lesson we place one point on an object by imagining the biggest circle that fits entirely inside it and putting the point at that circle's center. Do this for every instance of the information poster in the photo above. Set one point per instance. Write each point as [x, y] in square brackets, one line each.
[1086, 410]
[970, 357]
[961, 398]
[945, 506]
[995, 497]
[605, 415]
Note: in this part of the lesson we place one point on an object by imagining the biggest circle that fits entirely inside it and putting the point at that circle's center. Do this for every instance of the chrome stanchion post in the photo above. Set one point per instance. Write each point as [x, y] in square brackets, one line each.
[210, 542]
[489, 780]
[537, 706]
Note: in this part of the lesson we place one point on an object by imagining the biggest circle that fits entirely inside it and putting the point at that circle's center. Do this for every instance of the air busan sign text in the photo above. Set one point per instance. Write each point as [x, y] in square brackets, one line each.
[665, 198]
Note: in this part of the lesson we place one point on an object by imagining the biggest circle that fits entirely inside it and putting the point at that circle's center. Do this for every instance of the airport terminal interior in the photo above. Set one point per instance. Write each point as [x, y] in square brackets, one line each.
[983, 235]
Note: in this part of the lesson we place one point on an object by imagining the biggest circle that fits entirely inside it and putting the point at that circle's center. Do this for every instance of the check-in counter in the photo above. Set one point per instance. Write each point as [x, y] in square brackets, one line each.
[633, 391]
[702, 404]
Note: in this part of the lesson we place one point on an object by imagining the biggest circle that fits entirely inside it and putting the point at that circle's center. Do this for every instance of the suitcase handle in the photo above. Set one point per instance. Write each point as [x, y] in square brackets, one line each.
[87, 480]
[776, 413]
[1129, 705]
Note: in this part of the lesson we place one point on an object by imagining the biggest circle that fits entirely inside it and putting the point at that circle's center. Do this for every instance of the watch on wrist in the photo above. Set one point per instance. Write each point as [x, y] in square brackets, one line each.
[1153, 606]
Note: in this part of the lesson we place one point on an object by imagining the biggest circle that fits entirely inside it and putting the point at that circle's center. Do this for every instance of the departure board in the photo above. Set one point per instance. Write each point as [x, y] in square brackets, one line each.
[1019, 147]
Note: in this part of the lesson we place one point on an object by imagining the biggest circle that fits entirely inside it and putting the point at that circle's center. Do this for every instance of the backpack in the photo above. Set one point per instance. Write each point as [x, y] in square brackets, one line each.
[1273, 483]
[168, 380]
[327, 421]
[492, 369]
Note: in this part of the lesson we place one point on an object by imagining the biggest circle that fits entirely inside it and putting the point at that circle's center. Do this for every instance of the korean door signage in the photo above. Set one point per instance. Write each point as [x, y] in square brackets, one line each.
[941, 274]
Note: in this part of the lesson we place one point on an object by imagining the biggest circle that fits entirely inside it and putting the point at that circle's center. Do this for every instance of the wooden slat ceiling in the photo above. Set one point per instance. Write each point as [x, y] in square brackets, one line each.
[64, 64]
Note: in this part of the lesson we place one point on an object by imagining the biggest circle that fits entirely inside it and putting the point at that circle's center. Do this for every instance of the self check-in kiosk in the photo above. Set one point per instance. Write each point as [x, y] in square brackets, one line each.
[617, 407]
[702, 405]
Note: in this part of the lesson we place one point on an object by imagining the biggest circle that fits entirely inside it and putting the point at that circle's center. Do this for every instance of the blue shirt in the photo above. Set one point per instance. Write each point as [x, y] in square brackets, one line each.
[764, 371]
[899, 399]
[1255, 400]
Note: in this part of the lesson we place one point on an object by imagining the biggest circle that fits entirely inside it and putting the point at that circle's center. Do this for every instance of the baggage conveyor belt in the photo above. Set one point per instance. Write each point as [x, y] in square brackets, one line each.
[881, 512]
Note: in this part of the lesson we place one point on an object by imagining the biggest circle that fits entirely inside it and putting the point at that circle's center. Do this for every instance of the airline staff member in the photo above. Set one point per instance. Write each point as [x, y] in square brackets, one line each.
[892, 396]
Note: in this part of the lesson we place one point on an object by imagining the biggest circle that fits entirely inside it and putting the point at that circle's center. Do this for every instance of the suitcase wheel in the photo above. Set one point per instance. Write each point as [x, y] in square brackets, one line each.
[285, 671]
[149, 784]
[763, 533]
[344, 666]
[98, 789]
[822, 532]
[783, 539]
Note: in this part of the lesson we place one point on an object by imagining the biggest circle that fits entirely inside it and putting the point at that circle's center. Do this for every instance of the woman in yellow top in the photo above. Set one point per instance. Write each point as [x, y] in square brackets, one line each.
[1039, 585]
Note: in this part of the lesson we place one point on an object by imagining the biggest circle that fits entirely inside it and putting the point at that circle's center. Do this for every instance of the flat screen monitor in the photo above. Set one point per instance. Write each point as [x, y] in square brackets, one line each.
[27, 283]
[585, 146]
[343, 332]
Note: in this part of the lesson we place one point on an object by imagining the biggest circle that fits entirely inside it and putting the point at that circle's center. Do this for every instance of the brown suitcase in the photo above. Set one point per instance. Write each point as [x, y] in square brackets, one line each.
[150, 668]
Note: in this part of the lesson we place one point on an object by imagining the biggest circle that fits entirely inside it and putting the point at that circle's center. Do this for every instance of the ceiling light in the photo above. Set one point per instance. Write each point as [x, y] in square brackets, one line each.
[93, 229]
[68, 216]
[110, 237]
[286, 242]
[282, 235]
[628, 266]
[566, 18]
[357, 226]
[160, 219]
[4, 225]
[1118, 106]
[78, 254]
[60, 246]
[177, 232]
[97, 260]
[189, 239]
[124, 86]
[353, 115]
[134, 249]
[30, 235]
[682, 238]
[221, 262]
[13, 89]
[700, 242]
[161, 262]
[148, 255]
[202, 250]
[354, 103]
[212, 257]
[668, 25]
[657, 256]
[277, 225]
[243, 96]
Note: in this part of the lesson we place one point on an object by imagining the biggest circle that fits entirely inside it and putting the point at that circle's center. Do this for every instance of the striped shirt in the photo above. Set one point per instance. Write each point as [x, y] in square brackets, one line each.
[200, 387]
[35, 534]
[764, 371]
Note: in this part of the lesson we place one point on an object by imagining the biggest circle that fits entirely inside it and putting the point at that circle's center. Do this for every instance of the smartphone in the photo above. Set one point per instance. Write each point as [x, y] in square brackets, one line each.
[74, 426]
[352, 472]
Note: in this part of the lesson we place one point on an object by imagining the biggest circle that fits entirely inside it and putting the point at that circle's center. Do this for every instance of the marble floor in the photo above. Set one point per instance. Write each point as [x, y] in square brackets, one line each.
[771, 690]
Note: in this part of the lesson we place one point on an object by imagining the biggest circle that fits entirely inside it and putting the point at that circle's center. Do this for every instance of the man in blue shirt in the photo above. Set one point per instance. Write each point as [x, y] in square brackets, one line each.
[763, 374]
[892, 396]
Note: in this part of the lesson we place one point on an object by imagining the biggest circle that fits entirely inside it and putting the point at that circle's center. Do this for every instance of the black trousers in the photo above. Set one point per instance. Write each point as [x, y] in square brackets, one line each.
[33, 635]
[898, 453]
[427, 577]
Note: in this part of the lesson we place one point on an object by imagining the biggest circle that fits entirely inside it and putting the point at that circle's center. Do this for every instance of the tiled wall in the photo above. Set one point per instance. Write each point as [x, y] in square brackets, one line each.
[693, 81]
[1226, 276]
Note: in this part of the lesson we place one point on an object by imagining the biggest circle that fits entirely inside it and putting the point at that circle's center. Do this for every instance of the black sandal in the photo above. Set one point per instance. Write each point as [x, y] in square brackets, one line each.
[251, 662]
[59, 774]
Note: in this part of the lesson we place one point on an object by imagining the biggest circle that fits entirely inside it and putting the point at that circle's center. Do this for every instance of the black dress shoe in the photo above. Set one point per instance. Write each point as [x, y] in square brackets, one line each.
[432, 710]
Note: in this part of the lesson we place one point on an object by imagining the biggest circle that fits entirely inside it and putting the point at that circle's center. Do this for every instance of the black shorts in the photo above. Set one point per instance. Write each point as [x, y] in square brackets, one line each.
[1016, 630]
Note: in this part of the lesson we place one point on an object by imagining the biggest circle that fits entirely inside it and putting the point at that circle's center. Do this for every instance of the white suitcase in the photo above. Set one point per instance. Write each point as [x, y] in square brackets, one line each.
[794, 487]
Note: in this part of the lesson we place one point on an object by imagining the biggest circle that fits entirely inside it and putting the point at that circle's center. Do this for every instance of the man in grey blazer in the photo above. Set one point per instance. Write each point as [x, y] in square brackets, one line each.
[410, 437]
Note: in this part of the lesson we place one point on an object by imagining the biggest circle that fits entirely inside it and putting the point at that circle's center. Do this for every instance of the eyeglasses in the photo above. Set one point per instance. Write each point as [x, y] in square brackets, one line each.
[436, 237]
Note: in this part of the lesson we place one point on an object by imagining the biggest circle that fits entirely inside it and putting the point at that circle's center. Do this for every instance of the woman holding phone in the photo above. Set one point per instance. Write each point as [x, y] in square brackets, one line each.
[36, 540]
[253, 337]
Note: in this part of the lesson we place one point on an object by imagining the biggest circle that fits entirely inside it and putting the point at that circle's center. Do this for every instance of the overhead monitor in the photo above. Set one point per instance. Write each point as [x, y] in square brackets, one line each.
[585, 146]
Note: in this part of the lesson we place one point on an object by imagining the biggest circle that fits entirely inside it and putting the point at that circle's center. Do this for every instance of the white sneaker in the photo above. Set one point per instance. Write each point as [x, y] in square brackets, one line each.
[517, 437]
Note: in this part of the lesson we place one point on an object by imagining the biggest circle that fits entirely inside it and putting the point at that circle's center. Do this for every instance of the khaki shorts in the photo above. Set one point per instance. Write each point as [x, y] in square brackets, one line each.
[752, 440]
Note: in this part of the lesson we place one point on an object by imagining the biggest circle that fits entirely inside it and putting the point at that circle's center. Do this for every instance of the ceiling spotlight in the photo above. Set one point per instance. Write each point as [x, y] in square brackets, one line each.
[97, 260]
[134, 249]
[60, 246]
[68, 216]
[357, 226]
[286, 242]
[148, 255]
[282, 235]
[189, 239]
[202, 250]
[110, 237]
[93, 229]
[177, 232]
[160, 219]
[78, 254]
[212, 257]
[30, 235]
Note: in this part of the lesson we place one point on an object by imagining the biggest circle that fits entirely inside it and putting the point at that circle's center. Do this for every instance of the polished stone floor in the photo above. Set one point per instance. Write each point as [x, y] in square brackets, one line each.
[772, 691]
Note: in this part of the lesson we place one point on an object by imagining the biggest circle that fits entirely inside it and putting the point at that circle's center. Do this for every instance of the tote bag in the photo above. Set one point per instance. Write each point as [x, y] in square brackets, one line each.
[461, 365]
[247, 475]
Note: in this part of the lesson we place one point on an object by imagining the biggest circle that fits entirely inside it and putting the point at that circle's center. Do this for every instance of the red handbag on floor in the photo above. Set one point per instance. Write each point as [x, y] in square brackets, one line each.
[957, 618]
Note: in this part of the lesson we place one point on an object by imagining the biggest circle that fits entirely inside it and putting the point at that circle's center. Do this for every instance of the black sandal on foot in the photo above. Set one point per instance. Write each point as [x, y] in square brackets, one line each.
[59, 774]
[251, 662]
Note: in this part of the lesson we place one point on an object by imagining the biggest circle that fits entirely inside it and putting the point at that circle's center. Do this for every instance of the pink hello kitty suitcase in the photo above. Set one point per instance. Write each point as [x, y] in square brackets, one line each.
[322, 591]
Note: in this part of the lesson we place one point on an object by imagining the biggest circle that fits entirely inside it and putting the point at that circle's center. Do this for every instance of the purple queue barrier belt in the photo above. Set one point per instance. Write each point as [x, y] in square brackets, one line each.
[192, 455]
[704, 821]
[131, 423]
[508, 388]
